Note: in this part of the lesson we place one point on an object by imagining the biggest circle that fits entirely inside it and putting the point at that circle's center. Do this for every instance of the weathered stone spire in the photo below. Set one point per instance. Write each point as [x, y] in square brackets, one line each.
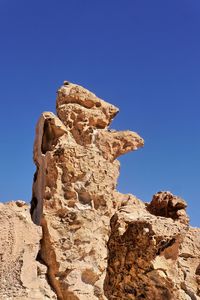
[74, 188]
[89, 241]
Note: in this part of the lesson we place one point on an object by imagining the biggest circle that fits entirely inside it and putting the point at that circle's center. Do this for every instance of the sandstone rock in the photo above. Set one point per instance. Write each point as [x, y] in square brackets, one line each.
[82, 112]
[167, 205]
[151, 257]
[89, 241]
[75, 188]
[19, 246]
[98, 243]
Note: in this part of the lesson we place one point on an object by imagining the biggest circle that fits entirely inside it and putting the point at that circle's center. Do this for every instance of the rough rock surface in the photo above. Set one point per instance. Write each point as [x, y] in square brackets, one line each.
[21, 276]
[75, 188]
[89, 241]
[152, 257]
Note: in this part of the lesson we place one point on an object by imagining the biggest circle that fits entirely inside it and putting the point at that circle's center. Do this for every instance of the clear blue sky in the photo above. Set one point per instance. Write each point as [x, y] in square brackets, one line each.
[141, 55]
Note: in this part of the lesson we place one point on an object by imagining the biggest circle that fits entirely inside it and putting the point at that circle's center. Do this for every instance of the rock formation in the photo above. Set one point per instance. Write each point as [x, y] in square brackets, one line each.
[22, 277]
[89, 241]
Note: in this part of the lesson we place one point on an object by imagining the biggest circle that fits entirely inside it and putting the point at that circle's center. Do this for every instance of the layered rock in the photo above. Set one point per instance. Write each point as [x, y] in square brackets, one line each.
[89, 241]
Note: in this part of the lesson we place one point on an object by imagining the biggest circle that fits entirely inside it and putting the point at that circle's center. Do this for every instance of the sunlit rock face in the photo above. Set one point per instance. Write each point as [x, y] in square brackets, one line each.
[81, 239]
[74, 188]
[98, 243]
[22, 277]
[153, 256]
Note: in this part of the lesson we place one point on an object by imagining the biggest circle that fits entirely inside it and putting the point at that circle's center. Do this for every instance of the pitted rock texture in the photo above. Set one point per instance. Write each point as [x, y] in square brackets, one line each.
[74, 188]
[151, 257]
[98, 243]
[89, 241]
[167, 205]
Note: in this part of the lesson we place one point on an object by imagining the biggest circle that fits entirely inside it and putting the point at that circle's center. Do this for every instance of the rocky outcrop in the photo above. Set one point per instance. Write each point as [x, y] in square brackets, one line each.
[165, 204]
[89, 241]
[74, 191]
[152, 257]
[22, 277]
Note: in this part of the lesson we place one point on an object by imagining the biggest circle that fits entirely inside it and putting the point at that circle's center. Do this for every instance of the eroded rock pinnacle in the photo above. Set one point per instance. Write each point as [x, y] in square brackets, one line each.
[89, 241]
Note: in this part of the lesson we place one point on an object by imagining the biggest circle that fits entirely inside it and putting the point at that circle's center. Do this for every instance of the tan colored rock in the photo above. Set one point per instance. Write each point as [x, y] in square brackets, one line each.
[151, 257]
[115, 143]
[92, 242]
[75, 187]
[82, 112]
[19, 246]
[147, 253]
[167, 205]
